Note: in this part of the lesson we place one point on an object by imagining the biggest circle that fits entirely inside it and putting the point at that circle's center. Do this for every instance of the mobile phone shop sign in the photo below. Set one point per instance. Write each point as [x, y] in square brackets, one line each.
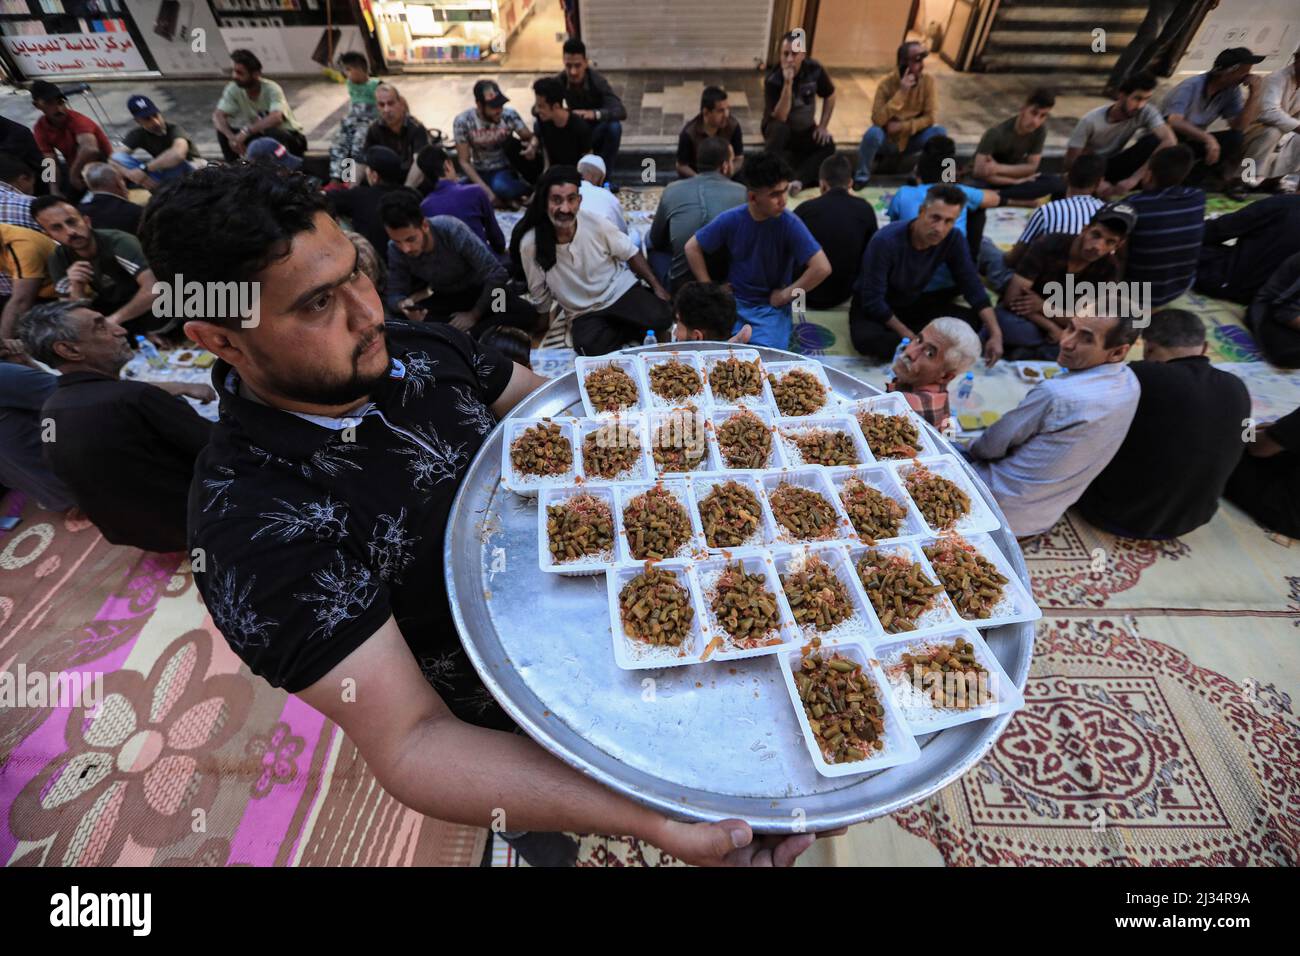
[68, 54]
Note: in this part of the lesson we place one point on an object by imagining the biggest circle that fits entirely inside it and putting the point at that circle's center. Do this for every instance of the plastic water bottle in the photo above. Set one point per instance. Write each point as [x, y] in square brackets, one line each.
[964, 393]
[150, 353]
[650, 338]
[890, 376]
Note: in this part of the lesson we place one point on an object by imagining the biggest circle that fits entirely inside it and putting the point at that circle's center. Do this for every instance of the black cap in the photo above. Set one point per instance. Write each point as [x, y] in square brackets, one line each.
[1117, 212]
[385, 162]
[1235, 56]
[489, 94]
[45, 91]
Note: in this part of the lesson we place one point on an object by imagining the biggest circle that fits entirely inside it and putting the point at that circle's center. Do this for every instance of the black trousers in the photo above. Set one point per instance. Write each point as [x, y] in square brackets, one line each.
[515, 310]
[877, 340]
[1158, 33]
[1264, 488]
[799, 149]
[291, 140]
[637, 311]
[1125, 164]
[1279, 343]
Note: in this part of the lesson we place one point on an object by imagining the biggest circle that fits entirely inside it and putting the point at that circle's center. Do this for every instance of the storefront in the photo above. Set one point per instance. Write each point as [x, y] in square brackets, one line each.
[75, 39]
[677, 34]
[415, 33]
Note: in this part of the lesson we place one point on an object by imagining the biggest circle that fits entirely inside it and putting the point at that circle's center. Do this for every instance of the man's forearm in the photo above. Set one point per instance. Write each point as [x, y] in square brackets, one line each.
[222, 122]
[695, 259]
[139, 304]
[828, 107]
[641, 269]
[685, 171]
[781, 111]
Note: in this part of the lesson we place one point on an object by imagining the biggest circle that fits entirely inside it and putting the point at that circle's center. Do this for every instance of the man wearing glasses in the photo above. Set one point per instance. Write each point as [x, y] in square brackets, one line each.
[902, 115]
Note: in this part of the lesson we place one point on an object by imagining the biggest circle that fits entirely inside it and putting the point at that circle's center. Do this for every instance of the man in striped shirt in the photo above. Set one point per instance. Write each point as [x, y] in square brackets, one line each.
[1166, 241]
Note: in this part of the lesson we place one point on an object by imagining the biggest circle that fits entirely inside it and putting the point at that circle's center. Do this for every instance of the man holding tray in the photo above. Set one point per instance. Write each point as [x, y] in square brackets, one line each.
[317, 516]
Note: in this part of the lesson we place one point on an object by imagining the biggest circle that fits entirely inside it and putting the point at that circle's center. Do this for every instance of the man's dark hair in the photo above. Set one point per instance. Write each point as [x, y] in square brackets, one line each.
[400, 209]
[764, 170]
[511, 342]
[1170, 166]
[1175, 329]
[247, 59]
[1143, 80]
[946, 193]
[42, 203]
[706, 307]
[1122, 332]
[1041, 97]
[836, 171]
[43, 91]
[12, 168]
[536, 217]
[711, 97]
[431, 160]
[574, 45]
[936, 150]
[1087, 171]
[712, 153]
[227, 223]
[355, 58]
[550, 89]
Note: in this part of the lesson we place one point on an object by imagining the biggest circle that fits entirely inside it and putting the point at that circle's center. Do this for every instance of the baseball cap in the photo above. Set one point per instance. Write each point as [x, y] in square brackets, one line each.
[1234, 56]
[385, 162]
[45, 91]
[265, 148]
[488, 93]
[1120, 212]
[142, 107]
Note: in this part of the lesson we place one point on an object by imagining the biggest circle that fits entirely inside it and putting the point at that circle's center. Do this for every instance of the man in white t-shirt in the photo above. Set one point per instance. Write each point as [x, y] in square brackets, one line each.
[1106, 131]
[595, 196]
[583, 263]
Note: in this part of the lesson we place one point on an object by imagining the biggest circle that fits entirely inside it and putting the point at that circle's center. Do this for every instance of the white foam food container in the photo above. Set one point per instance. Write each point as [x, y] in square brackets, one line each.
[701, 400]
[693, 427]
[940, 615]
[680, 490]
[882, 479]
[979, 519]
[719, 646]
[1016, 605]
[814, 479]
[863, 626]
[711, 357]
[916, 705]
[779, 370]
[586, 565]
[632, 654]
[528, 486]
[776, 457]
[788, 428]
[893, 403]
[703, 483]
[636, 424]
[900, 746]
[583, 365]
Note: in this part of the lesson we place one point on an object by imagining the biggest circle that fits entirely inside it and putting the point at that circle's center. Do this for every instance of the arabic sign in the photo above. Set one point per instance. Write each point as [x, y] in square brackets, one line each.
[75, 53]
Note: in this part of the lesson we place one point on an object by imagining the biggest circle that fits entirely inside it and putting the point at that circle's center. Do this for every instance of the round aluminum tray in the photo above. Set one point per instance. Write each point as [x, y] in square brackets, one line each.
[700, 742]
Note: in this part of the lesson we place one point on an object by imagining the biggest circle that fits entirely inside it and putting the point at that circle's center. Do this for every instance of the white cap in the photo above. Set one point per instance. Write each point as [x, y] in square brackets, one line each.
[594, 161]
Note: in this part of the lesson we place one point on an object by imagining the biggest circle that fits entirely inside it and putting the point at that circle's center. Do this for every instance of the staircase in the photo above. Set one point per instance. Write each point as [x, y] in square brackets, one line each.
[1047, 36]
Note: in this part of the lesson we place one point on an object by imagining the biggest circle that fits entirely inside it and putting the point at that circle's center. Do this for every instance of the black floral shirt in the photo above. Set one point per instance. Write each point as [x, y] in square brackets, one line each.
[313, 532]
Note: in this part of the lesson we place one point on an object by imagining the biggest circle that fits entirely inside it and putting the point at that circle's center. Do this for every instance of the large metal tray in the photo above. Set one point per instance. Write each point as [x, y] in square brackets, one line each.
[701, 742]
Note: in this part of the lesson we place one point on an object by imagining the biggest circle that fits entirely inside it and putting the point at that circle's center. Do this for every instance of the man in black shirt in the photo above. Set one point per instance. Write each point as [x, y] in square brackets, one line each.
[106, 203]
[125, 449]
[396, 128]
[1265, 482]
[170, 147]
[842, 224]
[591, 98]
[17, 140]
[318, 512]
[565, 136]
[790, 126]
[361, 204]
[1267, 232]
[1274, 316]
[1184, 441]
[714, 119]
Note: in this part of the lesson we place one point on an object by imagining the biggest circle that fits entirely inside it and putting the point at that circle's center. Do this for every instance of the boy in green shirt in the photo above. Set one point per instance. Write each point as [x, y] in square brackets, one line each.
[350, 140]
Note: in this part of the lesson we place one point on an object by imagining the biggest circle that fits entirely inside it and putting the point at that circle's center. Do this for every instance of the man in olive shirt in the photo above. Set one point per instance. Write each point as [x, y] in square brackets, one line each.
[251, 106]
[714, 119]
[1008, 154]
[689, 205]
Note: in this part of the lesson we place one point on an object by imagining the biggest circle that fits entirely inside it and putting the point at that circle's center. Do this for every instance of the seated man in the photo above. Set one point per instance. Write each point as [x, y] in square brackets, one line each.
[125, 449]
[765, 243]
[17, 184]
[1165, 243]
[1032, 312]
[890, 302]
[444, 196]
[439, 271]
[23, 390]
[592, 99]
[1198, 101]
[341, 445]
[1274, 317]
[1071, 214]
[1040, 457]
[1264, 484]
[396, 129]
[1008, 154]
[938, 160]
[24, 272]
[714, 119]
[686, 206]
[1106, 130]
[107, 203]
[581, 262]
[1183, 444]
[595, 197]
[940, 352]
[1267, 232]
[490, 138]
[706, 312]
[252, 106]
[171, 148]
[65, 135]
[383, 172]
[565, 136]
[1273, 144]
[790, 126]
[841, 224]
[104, 266]
[902, 114]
